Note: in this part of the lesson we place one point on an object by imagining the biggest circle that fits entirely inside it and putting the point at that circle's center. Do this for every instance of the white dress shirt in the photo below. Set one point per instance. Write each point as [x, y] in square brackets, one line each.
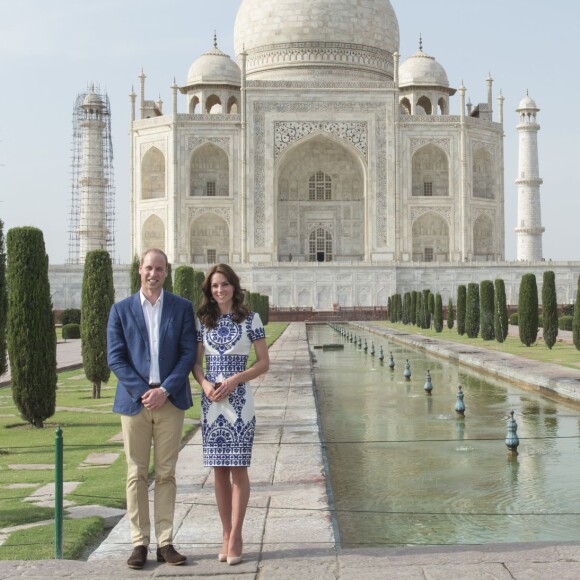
[152, 315]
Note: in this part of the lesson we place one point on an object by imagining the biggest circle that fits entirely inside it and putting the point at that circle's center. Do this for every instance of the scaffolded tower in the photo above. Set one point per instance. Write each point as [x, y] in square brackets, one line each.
[92, 217]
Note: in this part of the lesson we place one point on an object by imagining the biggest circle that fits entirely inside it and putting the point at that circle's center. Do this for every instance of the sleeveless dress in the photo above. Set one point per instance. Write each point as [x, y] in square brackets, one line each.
[228, 426]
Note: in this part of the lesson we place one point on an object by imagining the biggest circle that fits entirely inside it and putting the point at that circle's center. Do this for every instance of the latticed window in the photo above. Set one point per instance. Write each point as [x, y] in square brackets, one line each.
[320, 246]
[210, 188]
[320, 187]
[428, 188]
[428, 254]
[211, 256]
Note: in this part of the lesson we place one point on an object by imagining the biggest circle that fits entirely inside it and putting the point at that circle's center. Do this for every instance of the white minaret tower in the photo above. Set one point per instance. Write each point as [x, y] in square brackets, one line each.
[529, 229]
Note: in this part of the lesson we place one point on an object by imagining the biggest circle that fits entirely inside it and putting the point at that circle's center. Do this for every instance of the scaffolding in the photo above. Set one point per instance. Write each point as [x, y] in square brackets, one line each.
[92, 210]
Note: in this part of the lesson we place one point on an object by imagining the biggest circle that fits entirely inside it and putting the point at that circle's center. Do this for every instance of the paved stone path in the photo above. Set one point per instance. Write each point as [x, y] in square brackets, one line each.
[289, 534]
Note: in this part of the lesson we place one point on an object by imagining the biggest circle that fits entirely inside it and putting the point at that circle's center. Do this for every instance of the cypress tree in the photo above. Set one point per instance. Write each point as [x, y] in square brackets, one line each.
[98, 295]
[528, 309]
[425, 309]
[550, 309]
[450, 318]
[419, 311]
[438, 314]
[168, 284]
[472, 310]
[31, 337]
[3, 303]
[265, 314]
[399, 308]
[184, 282]
[576, 319]
[198, 278]
[461, 306]
[487, 309]
[431, 304]
[500, 316]
[134, 276]
[413, 307]
[390, 308]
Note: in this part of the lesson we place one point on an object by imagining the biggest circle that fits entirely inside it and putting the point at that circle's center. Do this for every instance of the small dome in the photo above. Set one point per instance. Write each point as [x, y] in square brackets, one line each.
[92, 100]
[527, 103]
[214, 68]
[422, 70]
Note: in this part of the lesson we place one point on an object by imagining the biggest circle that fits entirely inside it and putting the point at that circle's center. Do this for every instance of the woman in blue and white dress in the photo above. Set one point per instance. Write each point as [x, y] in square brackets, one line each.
[226, 331]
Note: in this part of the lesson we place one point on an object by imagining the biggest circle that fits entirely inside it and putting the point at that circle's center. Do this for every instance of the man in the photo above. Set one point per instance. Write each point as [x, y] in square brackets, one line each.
[151, 350]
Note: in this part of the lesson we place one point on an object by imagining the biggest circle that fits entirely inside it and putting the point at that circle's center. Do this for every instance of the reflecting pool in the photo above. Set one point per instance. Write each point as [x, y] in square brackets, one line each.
[405, 470]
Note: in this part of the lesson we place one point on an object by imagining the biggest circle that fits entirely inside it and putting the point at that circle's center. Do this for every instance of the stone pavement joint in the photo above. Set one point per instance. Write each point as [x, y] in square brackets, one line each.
[282, 544]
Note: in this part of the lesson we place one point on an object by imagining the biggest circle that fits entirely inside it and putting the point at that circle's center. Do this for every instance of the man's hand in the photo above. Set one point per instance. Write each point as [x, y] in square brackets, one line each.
[153, 399]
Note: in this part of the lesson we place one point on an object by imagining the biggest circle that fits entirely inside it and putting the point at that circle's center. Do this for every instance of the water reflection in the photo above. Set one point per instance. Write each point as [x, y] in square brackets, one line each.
[405, 469]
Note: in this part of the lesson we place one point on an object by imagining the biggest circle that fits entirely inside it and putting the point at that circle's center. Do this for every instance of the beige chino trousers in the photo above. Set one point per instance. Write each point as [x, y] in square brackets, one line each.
[163, 427]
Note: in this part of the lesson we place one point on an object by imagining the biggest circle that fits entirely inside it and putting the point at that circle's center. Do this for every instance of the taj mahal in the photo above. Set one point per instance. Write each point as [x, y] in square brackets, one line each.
[328, 169]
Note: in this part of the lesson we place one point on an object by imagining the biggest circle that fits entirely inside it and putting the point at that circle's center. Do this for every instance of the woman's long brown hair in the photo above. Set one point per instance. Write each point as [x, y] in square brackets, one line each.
[209, 311]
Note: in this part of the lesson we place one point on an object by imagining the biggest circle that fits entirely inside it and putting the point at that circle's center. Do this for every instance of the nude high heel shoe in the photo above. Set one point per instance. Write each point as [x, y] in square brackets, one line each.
[233, 560]
[222, 557]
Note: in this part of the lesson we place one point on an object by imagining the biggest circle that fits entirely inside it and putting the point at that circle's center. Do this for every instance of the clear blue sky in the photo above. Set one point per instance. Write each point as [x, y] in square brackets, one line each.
[51, 51]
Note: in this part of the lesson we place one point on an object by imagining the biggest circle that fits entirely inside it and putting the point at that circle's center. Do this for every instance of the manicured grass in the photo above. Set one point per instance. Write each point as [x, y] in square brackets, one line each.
[562, 353]
[88, 425]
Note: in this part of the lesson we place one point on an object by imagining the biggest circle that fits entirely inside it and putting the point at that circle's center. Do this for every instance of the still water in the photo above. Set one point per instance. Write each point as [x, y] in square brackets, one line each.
[405, 470]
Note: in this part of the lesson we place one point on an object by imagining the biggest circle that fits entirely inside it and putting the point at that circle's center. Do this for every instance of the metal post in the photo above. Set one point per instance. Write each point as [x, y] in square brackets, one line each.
[58, 468]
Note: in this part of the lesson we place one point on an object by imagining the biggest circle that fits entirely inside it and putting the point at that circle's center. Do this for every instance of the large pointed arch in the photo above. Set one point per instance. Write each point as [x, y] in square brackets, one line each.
[209, 239]
[483, 238]
[209, 173]
[153, 234]
[430, 172]
[430, 238]
[321, 183]
[153, 174]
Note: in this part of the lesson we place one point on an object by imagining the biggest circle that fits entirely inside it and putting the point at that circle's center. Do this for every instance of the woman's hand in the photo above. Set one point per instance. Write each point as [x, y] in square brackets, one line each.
[224, 389]
[209, 389]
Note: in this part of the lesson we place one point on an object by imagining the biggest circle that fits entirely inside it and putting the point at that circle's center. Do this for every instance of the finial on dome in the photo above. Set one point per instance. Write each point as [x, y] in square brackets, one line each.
[420, 42]
[214, 39]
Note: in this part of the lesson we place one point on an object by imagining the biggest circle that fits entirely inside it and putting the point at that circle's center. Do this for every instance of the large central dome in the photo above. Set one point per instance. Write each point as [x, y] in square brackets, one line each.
[307, 39]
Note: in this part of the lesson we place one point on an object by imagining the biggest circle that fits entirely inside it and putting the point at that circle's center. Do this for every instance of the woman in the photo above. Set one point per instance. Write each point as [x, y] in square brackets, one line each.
[226, 331]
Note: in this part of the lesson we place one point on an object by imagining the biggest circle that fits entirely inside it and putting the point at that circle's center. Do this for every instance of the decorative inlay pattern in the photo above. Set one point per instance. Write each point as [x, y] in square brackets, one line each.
[485, 146]
[150, 145]
[260, 111]
[478, 211]
[287, 132]
[194, 142]
[320, 84]
[417, 212]
[224, 212]
[442, 143]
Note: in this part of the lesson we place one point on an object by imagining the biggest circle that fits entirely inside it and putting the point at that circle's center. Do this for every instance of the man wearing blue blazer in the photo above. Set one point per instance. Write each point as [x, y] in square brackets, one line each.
[151, 350]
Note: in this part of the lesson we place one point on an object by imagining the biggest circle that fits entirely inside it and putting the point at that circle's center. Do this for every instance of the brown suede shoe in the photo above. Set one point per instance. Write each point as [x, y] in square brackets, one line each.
[170, 555]
[138, 558]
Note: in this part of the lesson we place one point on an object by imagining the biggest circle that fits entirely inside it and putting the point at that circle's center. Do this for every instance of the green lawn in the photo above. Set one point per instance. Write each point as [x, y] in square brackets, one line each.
[562, 353]
[88, 426]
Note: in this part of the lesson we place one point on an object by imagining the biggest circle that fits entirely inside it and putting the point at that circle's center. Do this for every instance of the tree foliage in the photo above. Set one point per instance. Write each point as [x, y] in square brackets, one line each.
[168, 284]
[3, 303]
[425, 310]
[461, 306]
[198, 278]
[30, 326]
[183, 285]
[413, 308]
[528, 309]
[450, 317]
[500, 311]
[438, 313]
[134, 276]
[549, 309]
[472, 310]
[98, 295]
[486, 293]
[576, 320]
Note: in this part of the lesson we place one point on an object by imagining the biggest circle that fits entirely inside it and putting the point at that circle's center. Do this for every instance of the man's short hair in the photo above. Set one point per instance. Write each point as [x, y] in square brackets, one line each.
[154, 250]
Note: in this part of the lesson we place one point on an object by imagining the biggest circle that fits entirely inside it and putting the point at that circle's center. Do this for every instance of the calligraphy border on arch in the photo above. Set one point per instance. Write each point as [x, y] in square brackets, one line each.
[159, 144]
[418, 142]
[195, 142]
[223, 212]
[260, 110]
[417, 212]
[288, 132]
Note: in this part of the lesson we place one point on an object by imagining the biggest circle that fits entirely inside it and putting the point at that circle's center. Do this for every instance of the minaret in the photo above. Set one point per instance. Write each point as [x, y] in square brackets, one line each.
[92, 212]
[92, 227]
[529, 229]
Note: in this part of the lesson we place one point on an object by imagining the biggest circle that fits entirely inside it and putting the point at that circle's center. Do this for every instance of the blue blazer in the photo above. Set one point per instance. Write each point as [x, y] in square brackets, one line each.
[129, 357]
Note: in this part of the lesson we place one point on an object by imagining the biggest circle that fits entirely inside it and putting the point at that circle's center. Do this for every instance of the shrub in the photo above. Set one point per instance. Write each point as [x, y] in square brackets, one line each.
[576, 321]
[472, 310]
[71, 330]
[3, 303]
[568, 310]
[425, 310]
[168, 284]
[97, 297]
[515, 319]
[549, 319]
[70, 316]
[184, 282]
[134, 276]
[528, 309]
[500, 312]
[565, 322]
[461, 305]
[438, 313]
[413, 308]
[30, 326]
[450, 319]
[487, 309]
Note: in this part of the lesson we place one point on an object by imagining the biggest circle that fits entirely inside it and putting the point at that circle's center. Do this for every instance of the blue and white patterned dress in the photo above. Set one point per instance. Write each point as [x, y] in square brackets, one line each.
[228, 427]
